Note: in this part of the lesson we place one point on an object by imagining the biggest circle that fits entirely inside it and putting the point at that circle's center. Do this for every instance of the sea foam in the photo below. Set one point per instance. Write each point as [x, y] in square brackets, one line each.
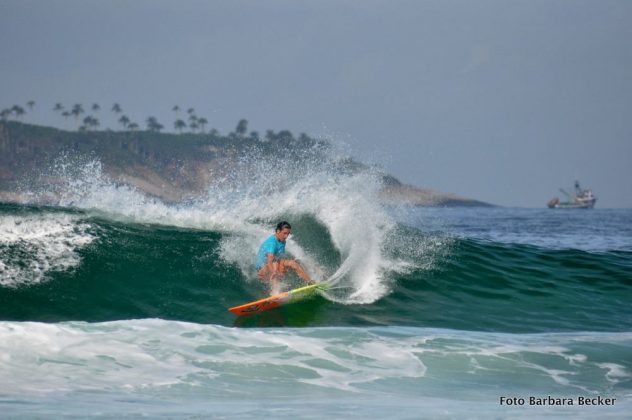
[150, 357]
[33, 245]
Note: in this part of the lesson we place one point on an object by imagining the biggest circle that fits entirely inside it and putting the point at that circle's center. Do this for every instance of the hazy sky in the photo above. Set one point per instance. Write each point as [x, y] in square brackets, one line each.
[503, 101]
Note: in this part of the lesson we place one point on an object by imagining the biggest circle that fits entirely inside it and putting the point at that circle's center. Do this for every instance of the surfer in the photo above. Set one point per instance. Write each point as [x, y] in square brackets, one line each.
[271, 262]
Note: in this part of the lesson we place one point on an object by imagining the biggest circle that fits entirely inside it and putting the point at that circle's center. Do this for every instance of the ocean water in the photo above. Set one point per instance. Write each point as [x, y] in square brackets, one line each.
[114, 304]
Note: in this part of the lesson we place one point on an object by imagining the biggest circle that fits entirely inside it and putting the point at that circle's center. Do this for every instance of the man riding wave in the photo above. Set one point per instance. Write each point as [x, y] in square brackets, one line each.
[272, 264]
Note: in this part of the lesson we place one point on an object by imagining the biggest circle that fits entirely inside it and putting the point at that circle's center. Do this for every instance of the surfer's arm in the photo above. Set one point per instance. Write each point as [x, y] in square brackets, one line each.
[272, 266]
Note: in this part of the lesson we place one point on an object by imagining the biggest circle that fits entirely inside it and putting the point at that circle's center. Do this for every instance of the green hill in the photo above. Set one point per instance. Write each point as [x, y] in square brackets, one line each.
[169, 166]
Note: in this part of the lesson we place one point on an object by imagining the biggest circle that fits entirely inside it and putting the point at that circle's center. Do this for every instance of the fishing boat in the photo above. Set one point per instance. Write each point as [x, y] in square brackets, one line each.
[582, 199]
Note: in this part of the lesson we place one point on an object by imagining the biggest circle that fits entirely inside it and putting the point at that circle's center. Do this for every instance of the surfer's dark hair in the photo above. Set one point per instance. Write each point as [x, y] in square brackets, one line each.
[283, 225]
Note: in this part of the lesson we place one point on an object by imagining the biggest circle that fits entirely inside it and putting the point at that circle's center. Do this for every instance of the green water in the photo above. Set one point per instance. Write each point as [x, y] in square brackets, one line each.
[131, 270]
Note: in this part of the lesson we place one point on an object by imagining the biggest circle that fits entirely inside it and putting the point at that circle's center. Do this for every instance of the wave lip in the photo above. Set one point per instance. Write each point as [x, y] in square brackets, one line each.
[245, 204]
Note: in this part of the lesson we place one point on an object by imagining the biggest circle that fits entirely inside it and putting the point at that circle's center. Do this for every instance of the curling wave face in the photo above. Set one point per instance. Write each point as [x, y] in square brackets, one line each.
[60, 264]
[319, 196]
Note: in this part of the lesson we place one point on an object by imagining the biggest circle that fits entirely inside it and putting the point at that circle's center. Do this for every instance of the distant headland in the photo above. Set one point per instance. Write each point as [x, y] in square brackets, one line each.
[170, 166]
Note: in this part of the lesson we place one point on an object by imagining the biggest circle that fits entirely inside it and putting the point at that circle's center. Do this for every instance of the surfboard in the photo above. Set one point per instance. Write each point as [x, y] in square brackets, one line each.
[274, 301]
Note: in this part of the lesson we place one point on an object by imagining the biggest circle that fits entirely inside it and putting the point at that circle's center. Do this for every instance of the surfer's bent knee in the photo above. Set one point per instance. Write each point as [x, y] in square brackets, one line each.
[282, 267]
[285, 264]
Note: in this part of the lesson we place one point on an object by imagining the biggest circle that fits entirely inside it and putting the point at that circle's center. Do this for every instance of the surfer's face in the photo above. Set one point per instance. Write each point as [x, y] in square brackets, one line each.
[282, 234]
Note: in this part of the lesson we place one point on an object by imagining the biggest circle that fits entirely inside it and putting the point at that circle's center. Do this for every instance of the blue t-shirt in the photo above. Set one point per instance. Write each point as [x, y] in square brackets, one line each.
[270, 246]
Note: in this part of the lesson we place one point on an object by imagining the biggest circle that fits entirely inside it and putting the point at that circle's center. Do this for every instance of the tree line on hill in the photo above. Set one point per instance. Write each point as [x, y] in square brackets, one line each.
[189, 123]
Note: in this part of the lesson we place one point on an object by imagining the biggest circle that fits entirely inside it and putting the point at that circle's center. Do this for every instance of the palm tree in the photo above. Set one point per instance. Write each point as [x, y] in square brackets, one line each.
[193, 122]
[176, 109]
[153, 124]
[242, 128]
[116, 108]
[4, 114]
[96, 107]
[179, 125]
[202, 122]
[124, 121]
[58, 107]
[89, 122]
[77, 110]
[18, 111]
[190, 111]
[132, 126]
[30, 104]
